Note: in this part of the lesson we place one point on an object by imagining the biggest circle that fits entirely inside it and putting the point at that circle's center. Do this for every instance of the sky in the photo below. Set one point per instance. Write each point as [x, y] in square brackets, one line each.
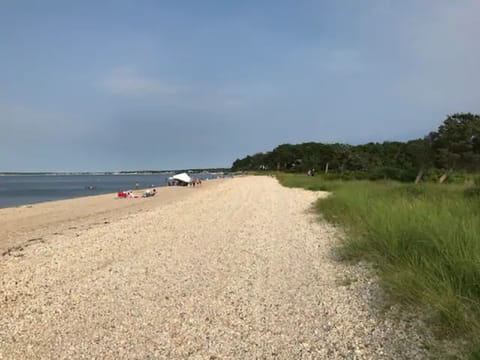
[139, 84]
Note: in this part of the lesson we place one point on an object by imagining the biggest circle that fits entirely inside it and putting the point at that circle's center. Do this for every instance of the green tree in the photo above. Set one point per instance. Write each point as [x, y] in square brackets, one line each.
[421, 155]
[456, 144]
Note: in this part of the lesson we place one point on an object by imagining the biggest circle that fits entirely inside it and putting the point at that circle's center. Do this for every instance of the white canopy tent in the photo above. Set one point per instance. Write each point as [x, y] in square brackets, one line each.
[183, 177]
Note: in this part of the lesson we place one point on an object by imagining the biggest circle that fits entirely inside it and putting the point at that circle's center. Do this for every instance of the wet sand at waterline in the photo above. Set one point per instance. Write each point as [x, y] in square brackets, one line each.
[20, 225]
[237, 268]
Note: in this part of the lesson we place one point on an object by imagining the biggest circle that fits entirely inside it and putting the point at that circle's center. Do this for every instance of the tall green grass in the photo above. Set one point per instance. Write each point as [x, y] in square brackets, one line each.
[424, 239]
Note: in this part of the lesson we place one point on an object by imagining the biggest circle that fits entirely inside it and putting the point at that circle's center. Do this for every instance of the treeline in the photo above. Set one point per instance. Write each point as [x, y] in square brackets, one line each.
[454, 147]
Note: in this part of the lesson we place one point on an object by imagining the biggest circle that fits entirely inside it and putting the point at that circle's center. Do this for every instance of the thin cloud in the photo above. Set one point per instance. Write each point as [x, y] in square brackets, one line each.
[36, 125]
[127, 81]
[343, 61]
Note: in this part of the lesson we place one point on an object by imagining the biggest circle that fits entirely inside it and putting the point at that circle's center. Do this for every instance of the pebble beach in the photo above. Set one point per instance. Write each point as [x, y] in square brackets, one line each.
[238, 268]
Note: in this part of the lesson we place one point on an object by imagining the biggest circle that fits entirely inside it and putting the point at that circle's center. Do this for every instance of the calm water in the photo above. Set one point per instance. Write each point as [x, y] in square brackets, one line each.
[23, 189]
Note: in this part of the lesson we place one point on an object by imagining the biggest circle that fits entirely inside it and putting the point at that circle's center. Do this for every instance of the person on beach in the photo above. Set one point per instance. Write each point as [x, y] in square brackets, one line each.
[149, 193]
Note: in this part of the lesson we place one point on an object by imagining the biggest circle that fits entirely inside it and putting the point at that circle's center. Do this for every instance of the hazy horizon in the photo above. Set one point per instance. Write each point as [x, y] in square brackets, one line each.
[108, 172]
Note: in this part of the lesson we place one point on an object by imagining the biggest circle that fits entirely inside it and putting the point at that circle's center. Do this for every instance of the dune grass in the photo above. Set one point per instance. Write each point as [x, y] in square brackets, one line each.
[424, 239]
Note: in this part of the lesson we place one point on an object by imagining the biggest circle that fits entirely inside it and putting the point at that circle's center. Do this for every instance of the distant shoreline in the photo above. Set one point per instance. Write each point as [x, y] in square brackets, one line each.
[27, 189]
[123, 172]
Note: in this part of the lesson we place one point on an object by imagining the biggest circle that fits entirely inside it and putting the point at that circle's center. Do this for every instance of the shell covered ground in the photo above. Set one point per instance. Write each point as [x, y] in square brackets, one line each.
[240, 269]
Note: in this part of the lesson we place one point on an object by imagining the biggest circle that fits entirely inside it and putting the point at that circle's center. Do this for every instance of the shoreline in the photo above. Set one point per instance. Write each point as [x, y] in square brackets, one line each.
[18, 190]
[138, 192]
[20, 224]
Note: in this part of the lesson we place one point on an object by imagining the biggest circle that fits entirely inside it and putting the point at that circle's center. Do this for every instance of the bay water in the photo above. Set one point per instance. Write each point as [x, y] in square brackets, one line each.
[18, 190]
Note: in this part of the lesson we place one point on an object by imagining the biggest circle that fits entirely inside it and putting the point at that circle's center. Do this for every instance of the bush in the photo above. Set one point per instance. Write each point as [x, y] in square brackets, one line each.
[472, 192]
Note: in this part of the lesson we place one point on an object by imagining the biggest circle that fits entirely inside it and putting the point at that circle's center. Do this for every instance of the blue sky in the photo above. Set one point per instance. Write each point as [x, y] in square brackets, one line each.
[119, 85]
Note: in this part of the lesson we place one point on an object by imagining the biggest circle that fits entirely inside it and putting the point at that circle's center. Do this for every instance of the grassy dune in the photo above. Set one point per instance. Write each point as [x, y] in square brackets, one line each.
[424, 239]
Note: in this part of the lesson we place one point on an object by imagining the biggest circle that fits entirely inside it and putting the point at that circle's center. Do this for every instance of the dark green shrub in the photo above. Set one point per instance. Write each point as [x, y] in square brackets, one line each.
[472, 192]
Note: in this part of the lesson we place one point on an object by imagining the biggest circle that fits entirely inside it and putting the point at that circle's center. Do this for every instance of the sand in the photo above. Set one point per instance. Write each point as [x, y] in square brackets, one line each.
[20, 224]
[238, 268]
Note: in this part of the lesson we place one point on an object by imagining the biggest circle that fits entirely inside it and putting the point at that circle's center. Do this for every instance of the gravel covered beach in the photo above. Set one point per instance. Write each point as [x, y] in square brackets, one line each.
[237, 268]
